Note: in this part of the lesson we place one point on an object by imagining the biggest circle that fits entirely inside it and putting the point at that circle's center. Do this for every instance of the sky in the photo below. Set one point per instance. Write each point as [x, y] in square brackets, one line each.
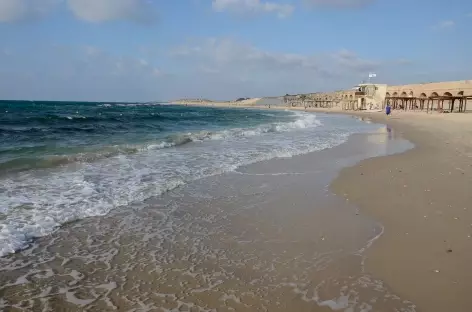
[152, 50]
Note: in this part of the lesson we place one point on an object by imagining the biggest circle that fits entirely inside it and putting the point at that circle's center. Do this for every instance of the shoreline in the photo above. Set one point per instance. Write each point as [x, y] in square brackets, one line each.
[421, 198]
[254, 239]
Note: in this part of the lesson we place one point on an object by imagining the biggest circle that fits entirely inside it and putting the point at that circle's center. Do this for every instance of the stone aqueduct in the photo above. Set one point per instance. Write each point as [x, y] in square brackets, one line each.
[439, 96]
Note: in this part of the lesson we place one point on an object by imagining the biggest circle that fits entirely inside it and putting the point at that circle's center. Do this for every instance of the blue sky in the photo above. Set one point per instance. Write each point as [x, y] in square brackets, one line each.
[145, 50]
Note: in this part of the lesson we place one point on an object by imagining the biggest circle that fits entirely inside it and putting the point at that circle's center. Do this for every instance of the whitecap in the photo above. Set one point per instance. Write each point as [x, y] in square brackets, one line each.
[75, 191]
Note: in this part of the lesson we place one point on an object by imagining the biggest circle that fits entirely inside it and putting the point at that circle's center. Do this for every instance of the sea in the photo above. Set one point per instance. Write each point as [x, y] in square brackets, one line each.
[63, 161]
[152, 207]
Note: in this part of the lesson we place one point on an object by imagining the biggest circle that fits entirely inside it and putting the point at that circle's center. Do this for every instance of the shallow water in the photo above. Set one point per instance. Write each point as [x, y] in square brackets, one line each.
[267, 237]
[63, 162]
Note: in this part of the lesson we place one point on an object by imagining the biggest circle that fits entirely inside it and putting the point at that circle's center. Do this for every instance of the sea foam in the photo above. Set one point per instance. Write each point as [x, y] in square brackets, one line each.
[36, 202]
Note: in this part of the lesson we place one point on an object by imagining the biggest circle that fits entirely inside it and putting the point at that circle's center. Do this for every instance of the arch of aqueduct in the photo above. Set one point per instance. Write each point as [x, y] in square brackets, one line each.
[451, 95]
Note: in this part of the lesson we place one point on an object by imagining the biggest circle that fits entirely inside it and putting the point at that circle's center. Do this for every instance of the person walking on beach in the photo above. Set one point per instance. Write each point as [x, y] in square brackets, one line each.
[388, 109]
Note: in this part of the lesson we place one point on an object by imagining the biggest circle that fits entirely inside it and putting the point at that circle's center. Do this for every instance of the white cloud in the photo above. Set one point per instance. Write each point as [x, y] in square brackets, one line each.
[230, 53]
[209, 70]
[17, 10]
[226, 62]
[91, 50]
[6, 52]
[95, 11]
[228, 68]
[445, 25]
[12, 10]
[350, 60]
[403, 61]
[156, 72]
[253, 6]
[108, 10]
[340, 3]
[79, 73]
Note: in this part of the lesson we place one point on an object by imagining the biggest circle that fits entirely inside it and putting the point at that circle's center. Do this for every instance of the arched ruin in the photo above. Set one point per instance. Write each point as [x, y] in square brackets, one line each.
[423, 96]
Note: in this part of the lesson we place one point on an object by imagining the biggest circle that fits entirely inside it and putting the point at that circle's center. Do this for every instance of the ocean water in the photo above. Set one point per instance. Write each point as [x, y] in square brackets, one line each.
[65, 161]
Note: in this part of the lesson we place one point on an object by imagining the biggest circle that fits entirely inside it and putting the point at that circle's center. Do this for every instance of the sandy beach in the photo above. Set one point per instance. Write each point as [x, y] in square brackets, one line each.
[423, 199]
[373, 224]
[235, 156]
[268, 236]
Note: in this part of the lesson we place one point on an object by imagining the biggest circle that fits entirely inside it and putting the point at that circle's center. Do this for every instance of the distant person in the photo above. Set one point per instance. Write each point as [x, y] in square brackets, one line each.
[388, 109]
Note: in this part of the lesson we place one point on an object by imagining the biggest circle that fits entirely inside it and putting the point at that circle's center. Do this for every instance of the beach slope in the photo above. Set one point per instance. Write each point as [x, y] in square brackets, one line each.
[423, 198]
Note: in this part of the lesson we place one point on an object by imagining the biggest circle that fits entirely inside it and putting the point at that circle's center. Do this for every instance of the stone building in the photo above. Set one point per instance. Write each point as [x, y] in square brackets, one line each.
[365, 96]
[462, 87]
[438, 96]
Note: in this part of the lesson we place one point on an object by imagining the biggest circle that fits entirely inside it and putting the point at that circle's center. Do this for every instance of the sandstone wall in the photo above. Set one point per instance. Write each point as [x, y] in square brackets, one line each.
[463, 87]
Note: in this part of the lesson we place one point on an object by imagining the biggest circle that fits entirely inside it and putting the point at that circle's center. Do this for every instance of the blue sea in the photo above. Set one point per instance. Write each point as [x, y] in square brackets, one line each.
[65, 161]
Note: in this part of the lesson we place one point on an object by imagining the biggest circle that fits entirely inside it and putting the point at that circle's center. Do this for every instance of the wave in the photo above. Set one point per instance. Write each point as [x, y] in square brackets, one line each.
[36, 202]
[19, 164]
[51, 119]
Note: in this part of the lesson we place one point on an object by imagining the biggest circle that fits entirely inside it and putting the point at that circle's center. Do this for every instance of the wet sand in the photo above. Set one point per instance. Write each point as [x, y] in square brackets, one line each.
[269, 237]
[423, 198]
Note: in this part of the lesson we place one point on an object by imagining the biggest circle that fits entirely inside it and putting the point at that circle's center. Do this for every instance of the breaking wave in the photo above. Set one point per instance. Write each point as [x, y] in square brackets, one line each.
[43, 188]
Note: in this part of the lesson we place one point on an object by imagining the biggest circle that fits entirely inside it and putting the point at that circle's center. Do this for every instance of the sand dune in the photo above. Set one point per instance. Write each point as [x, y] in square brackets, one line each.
[248, 102]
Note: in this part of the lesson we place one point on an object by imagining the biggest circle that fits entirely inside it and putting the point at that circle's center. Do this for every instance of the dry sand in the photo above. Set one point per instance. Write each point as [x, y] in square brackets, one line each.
[423, 198]
[244, 103]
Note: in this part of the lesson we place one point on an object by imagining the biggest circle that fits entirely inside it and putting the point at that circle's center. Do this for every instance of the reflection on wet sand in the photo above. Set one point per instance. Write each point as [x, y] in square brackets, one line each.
[269, 237]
